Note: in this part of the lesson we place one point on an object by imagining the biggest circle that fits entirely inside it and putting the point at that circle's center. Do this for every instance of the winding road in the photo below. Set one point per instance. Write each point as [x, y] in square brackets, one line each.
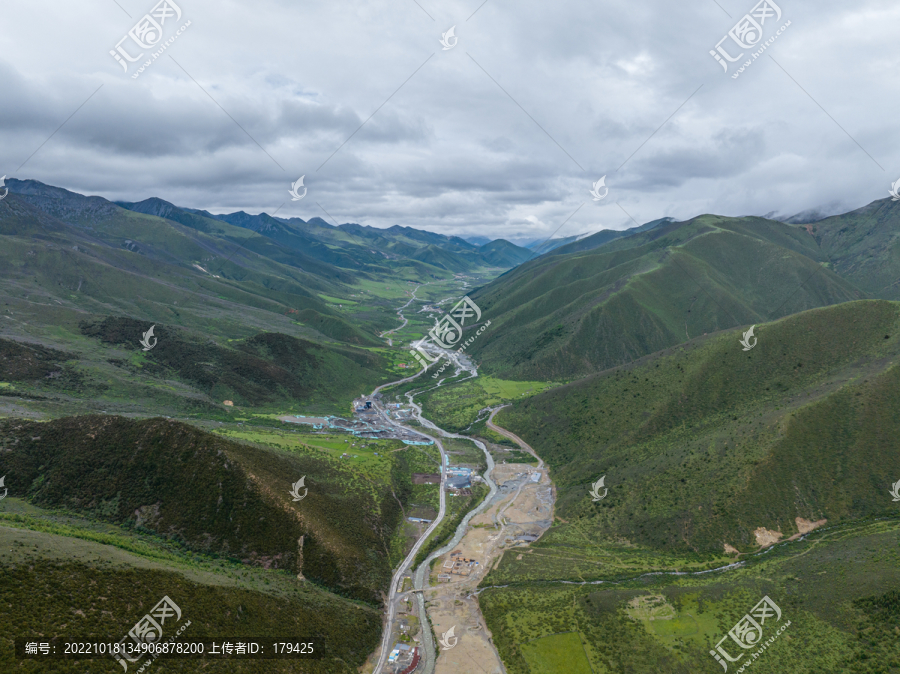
[512, 436]
[459, 364]
[402, 325]
[395, 596]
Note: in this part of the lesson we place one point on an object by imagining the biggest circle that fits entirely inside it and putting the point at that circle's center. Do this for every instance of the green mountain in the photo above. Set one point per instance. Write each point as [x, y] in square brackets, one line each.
[372, 249]
[502, 253]
[309, 251]
[162, 263]
[445, 252]
[108, 589]
[185, 373]
[565, 315]
[264, 370]
[702, 444]
[210, 494]
[602, 237]
[863, 246]
[709, 455]
[105, 259]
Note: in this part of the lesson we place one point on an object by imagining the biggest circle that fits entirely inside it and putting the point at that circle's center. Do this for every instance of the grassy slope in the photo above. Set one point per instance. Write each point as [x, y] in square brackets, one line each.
[700, 445]
[146, 266]
[839, 589]
[266, 369]
[564, 316]
[704, 443]
[75, 583]
[458, 405]
[187, 373]
[864, 246]
[213, 495]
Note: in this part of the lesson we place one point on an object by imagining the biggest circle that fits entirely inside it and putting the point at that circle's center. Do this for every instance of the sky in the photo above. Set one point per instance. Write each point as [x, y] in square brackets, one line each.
[503, 134]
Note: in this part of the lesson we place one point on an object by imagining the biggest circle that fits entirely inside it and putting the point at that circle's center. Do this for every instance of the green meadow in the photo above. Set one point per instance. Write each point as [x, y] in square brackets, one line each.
[839, 589]
[557, 653]
[457, 405]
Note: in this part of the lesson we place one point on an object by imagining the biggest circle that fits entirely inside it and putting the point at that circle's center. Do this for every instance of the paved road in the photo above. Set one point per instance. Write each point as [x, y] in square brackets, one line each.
[394, 596]
[420, 580]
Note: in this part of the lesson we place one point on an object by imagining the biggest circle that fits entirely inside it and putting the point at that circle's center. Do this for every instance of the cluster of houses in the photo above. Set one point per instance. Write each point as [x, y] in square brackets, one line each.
[404, 657]
[459, 480]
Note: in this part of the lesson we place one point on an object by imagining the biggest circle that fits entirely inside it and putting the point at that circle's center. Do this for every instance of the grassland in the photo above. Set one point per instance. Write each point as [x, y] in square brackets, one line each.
[706, 449]
[369, 460]
[216, 496]
[54, 586]
[556, 653]
[838, 588]
[457, 405]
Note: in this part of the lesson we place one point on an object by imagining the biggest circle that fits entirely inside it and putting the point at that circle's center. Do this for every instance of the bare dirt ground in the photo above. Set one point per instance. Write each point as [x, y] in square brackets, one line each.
[522, 508]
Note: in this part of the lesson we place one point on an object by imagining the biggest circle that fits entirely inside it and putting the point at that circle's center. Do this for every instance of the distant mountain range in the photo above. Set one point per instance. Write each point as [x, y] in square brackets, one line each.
[203, 269]
[354, 246]
[543, 246]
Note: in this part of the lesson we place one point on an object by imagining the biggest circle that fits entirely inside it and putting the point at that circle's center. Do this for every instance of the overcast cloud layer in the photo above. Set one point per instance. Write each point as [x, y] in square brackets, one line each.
[501, 136]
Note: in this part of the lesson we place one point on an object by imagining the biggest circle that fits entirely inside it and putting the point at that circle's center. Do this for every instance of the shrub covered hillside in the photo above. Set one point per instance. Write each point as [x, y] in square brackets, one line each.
[43, 600]
[265, 369]
[212, 494]
[563, 316]
[705, 444]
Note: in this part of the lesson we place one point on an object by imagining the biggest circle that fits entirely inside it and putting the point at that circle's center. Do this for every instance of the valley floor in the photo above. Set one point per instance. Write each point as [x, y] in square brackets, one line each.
[523, 508]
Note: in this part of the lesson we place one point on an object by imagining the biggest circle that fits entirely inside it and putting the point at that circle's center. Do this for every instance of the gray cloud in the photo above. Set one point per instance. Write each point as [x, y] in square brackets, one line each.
[450, 150]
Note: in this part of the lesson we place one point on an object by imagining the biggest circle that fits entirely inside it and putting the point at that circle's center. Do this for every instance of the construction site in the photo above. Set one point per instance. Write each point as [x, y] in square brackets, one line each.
[520, 512]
